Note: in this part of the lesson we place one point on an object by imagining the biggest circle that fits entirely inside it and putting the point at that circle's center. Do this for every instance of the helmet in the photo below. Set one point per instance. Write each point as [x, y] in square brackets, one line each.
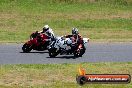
[74, 31]
[45, 28]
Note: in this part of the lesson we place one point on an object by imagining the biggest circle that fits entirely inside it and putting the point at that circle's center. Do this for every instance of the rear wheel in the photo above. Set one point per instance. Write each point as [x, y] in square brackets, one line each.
[26, 48]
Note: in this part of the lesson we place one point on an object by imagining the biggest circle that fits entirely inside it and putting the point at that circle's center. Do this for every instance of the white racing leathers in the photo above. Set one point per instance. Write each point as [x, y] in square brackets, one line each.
[49, 33]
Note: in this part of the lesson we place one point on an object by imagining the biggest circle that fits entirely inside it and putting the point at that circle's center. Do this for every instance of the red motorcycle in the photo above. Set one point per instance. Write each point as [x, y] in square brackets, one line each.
[38, 41]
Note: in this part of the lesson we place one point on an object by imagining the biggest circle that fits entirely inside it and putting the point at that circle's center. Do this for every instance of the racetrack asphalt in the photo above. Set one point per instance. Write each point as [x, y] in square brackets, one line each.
[96, 52]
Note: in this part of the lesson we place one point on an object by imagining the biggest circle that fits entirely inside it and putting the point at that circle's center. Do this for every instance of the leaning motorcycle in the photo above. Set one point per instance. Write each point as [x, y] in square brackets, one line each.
[64, 46]
[37, 42]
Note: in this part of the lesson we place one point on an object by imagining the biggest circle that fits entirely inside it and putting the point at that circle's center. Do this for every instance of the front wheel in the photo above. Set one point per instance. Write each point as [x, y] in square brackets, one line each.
[53, 53]
[26, 48]
[79, 52]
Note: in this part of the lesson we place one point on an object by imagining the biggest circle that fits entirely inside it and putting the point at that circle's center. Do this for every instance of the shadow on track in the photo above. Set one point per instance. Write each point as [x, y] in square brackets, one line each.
[35, 52]
[64, 57]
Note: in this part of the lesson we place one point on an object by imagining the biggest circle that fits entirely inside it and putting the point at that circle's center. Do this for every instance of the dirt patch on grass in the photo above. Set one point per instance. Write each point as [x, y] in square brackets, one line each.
[51, 76]
[32, 78]
[97, 15]
[22, 78]
[86, 15]
[7, 16]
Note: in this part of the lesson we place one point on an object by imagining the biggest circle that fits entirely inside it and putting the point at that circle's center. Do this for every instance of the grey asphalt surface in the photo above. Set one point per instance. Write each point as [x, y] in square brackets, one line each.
[96, 52]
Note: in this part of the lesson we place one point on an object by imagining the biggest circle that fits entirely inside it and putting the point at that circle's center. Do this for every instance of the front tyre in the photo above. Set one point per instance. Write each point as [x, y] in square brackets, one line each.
[79, 52]
[82, 51]
[26, 48]
[52, 53]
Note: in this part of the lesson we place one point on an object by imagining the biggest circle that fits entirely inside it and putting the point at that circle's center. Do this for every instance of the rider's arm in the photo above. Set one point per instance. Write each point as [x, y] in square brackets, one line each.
[34, 35]
[68, 36]
[51, 31]
[80, 39]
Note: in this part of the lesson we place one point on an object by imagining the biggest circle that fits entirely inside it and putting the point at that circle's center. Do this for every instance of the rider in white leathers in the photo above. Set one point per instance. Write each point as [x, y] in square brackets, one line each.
[48, 31]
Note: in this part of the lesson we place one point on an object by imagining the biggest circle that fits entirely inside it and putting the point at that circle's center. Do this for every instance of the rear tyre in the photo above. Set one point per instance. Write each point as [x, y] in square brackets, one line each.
[26, 48]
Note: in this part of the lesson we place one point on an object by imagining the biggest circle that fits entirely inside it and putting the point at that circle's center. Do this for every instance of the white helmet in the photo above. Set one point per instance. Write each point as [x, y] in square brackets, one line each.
[46, 27]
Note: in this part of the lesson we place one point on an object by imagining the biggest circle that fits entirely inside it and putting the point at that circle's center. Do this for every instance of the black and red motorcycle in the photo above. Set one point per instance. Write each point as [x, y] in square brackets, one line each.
[38, 41]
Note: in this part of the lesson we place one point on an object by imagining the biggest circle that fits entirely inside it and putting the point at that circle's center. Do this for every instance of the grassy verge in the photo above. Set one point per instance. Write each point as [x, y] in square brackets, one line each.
[58, 75]
[97, 19]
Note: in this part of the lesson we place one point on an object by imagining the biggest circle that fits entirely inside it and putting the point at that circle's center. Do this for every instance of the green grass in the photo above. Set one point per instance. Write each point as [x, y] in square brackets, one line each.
[97, 19]
[59, 75]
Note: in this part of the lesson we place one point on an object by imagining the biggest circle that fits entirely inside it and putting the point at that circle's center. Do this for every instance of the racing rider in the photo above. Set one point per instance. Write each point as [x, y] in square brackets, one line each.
[46, 30]
[76, 38]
